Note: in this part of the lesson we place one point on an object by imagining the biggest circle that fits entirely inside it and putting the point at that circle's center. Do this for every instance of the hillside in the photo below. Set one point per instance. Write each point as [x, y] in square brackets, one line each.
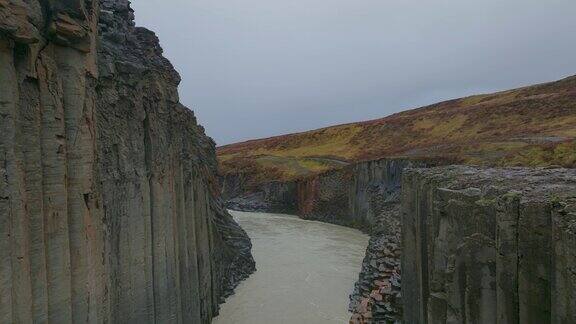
[530, 126]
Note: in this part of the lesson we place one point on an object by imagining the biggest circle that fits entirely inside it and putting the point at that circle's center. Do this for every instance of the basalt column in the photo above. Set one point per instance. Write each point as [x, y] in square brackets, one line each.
[488, 245]
[108, 199]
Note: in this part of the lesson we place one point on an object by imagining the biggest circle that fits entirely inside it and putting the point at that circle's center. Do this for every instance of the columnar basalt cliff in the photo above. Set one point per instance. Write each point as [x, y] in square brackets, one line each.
[108, 191]
[374, 204]
[489, 245]
[353, 195]
[356, 195]
[273, 197]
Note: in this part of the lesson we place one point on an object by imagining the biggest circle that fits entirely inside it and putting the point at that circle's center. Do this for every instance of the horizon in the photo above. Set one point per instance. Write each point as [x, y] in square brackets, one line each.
[391, 114]
[350, 62]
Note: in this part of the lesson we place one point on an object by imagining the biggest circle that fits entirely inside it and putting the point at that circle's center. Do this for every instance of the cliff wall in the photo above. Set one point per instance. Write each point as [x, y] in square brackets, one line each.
[488, 245]
[374, 201]
[355, 195]
[108, 191]
[272, 197]
[358, 195]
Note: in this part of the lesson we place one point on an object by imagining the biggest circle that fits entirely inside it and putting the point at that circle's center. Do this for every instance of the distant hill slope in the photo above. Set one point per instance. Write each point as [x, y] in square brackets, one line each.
[531, 126]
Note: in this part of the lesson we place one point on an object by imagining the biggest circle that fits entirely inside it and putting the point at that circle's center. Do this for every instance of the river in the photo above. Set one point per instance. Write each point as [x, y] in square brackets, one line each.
[306, 271]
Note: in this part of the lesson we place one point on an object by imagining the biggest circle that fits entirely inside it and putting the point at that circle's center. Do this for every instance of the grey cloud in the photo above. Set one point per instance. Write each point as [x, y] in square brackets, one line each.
[256, 68]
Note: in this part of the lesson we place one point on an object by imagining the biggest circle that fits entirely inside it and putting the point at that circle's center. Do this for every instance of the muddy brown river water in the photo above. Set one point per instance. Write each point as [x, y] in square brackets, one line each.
[306, 271]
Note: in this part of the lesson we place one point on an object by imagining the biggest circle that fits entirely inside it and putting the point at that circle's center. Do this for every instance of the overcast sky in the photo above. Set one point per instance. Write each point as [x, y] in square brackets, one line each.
[258, 68]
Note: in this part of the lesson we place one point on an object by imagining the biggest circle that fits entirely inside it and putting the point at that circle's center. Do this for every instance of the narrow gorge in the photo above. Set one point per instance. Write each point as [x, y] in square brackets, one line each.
[109, 208]
[449, 244]
[469, 204]
[365, 196]
[117, 207]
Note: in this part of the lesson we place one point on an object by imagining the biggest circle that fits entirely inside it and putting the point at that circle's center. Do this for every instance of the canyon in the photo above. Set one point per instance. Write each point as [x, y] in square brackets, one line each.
[449, 244]
[109, 208]
[365, 196]
[113, 200]
[439, 232]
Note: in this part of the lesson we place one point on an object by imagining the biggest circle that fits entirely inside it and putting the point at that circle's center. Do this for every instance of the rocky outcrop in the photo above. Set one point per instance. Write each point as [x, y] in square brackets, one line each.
[108, 191]
[489, 245]
[375, 200]
[377, 293]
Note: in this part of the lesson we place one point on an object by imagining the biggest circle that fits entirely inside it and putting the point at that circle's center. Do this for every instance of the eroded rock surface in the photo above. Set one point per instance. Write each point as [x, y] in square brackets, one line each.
[375, 202]
[108, 191]
[271, 197]
[489, 245]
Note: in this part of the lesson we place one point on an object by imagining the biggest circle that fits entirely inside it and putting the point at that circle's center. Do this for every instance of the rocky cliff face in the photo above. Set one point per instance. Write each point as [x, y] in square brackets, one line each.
[353, 196]
[374, 200]
[356, 196]
[489, 245]
[272, 197]
[108, 208]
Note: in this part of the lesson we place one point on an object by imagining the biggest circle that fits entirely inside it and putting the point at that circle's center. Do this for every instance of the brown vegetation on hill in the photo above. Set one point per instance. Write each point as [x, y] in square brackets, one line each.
[531, 126]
